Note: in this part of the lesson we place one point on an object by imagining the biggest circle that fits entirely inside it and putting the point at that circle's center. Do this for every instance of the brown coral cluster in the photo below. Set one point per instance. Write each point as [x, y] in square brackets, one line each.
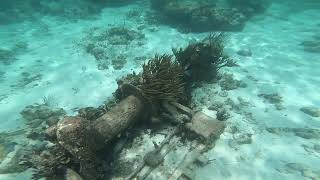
[162, 79]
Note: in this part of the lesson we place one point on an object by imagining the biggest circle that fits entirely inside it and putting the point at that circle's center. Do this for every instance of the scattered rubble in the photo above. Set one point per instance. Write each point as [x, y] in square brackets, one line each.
[229, 83]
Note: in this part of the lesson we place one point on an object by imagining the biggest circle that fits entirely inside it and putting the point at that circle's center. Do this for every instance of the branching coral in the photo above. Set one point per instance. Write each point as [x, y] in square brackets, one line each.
[202, 60]
[162, 79]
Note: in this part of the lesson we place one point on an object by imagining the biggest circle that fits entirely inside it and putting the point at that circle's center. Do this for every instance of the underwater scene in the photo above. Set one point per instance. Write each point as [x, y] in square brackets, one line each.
[159, 89]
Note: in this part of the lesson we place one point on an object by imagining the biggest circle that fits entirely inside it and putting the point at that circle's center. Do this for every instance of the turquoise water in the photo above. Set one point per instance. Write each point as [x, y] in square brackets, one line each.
[57, 57]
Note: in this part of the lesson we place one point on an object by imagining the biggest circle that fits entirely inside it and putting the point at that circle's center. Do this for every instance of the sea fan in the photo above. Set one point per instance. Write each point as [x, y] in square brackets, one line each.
[162, 79]
[202, 60]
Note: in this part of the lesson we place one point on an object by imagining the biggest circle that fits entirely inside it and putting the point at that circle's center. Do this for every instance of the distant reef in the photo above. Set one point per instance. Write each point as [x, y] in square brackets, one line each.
[12, 11]
[203, 15]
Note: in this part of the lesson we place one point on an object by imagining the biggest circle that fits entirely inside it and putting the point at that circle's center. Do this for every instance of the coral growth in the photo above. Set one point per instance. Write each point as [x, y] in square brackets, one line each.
[8, 55]
[202, 60]
[162, 79]
[122, 35]
[27, 79]
[312, 45]
[119, 62]
[229, 83]
[273, 98]
[132, 79]
[50, 163]
[109, 46]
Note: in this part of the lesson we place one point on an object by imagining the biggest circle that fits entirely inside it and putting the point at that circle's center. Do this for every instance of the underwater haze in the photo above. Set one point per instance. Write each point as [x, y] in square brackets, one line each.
[159, 89]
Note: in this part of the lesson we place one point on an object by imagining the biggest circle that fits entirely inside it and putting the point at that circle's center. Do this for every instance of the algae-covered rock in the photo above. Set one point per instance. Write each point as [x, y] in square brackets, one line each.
[312, 45]
[311, 111]
[5, 149]
[245, 52]
[306, 133]
[153, 158]
[7, 56]
[119, 62]
[32, 112]
[108, 45]
[12, 164]
[122, 35]
[273, 98]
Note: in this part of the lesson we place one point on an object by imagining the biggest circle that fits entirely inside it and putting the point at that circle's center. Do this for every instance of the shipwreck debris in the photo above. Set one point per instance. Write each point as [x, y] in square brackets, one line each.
[160, 92]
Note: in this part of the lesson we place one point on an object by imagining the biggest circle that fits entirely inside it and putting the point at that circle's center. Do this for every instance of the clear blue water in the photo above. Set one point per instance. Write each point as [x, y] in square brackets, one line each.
[58, 57]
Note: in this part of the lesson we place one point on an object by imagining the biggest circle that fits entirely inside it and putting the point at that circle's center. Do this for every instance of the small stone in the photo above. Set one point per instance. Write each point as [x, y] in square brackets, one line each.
[223, 93]
[244, 139]
[153, 158]
[244, 52]
[311, 111]
[316, 147]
